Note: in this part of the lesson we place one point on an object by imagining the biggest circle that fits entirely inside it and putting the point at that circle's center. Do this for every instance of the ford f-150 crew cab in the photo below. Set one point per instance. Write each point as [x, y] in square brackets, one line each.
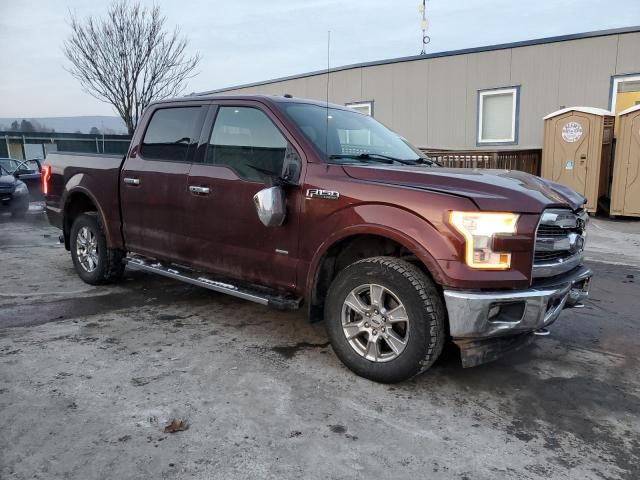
[296, 203]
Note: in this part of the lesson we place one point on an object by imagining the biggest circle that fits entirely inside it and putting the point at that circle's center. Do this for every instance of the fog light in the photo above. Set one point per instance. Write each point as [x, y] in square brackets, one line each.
[494, 311]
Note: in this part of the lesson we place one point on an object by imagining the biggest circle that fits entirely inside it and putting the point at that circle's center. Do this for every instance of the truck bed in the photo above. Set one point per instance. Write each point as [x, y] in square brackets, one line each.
[96, 176]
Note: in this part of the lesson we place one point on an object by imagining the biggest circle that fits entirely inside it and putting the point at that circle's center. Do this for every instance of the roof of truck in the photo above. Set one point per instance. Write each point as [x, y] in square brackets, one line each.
[260, 98]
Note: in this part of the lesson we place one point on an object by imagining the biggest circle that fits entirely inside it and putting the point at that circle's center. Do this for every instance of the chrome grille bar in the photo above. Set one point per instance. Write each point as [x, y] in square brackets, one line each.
[559, 243]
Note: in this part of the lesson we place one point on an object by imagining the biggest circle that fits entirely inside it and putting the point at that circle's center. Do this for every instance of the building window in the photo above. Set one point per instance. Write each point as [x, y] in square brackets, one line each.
[498, 115]
[625, 92]
[362, 107]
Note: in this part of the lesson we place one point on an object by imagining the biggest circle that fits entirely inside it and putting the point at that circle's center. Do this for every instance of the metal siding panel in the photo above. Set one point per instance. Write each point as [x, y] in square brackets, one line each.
[447, 102]
[586, 67]
[297, 88]
[317, 87]
[628, 58]
[409, 101]
[537, 69]
[377, 82]
[346, 87]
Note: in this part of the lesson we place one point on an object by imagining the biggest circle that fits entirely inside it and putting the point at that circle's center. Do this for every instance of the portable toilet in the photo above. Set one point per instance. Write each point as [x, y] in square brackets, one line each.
[577, 151]
[625, 189]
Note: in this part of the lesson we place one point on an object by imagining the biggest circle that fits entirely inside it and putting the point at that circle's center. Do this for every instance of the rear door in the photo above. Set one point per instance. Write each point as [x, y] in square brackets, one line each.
[30, 173]
[239, 150]
[153, 183]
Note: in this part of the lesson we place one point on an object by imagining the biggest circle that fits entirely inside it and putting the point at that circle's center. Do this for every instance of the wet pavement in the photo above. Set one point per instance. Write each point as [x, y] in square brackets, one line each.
[90, 376]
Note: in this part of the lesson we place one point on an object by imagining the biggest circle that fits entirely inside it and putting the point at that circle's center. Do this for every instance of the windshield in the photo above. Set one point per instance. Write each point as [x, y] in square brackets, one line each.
[8, 164]
[352, 136]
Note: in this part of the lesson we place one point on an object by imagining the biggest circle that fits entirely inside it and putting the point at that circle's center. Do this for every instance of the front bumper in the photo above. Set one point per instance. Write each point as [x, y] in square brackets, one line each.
[477, 317]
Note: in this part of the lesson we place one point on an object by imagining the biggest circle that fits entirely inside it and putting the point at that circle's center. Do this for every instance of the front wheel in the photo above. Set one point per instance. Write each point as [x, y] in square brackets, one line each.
[94, 262]
[385, 319]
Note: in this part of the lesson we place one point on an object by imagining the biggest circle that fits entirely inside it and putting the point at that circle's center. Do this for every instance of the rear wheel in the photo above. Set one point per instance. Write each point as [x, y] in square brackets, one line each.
[94, 262]
[385, 319]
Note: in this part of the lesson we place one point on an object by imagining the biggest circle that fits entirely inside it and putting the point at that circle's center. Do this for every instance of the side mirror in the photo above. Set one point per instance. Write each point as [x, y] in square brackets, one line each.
[291, 165]
[270, 206]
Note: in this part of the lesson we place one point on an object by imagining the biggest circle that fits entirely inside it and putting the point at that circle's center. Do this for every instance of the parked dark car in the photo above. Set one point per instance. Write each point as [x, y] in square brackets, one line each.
[29, 171]
[14, 194]
[292, 202]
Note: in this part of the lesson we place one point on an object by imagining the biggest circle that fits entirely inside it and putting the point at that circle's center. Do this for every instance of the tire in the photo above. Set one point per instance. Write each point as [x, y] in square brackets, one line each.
[106, 263]
[402, 285]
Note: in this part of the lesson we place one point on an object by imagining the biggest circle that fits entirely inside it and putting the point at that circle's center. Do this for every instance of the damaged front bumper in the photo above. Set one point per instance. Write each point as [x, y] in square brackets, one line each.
[485, 325]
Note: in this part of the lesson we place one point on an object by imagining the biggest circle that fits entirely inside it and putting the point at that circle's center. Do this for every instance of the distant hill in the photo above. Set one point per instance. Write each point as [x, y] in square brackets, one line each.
[83, 124]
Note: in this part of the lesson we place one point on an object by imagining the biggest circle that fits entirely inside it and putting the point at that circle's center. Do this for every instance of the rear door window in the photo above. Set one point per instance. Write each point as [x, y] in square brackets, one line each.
[170, 133]
[247, 141]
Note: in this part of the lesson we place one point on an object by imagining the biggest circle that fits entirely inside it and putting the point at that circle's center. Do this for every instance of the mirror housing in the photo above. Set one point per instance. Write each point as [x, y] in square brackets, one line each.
[291, 166]
[271, 206]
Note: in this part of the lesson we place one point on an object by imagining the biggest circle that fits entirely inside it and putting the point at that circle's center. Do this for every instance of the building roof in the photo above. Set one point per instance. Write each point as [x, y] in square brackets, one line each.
[448, 53]
[592, 110]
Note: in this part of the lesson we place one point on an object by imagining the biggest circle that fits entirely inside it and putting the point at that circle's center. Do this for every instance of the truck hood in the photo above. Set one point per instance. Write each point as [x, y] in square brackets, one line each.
[490, 190]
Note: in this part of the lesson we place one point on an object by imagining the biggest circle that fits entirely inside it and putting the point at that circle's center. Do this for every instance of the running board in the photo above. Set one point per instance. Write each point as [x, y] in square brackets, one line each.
[281, 302]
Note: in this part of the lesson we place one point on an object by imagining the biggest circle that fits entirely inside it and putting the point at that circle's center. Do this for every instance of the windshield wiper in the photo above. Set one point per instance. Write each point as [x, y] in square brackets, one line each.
[377, 157]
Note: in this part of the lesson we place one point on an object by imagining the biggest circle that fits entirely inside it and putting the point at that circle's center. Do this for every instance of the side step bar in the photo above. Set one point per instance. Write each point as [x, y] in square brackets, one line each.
[281, 302]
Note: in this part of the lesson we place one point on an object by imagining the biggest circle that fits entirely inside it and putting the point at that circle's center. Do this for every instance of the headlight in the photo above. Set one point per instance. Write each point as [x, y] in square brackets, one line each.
[20, 188]
[478, 229]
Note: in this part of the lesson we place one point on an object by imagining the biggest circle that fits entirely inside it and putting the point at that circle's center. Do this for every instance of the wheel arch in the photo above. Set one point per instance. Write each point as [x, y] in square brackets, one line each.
[353, 244]
[78, 201]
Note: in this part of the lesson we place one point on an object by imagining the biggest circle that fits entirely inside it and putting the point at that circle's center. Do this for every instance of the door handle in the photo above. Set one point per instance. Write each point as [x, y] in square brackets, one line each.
[131, 181]
[199, 190]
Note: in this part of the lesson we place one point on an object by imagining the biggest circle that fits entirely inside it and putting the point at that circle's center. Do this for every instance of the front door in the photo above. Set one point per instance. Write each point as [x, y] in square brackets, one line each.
[241, 153]
[153, 184]
[571, 151]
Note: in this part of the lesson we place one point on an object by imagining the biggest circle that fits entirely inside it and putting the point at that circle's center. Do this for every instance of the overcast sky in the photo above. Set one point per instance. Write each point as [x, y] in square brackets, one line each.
[244, 41]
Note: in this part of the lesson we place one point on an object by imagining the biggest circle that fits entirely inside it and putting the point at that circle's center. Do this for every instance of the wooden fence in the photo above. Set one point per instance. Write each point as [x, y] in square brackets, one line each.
[525, 160]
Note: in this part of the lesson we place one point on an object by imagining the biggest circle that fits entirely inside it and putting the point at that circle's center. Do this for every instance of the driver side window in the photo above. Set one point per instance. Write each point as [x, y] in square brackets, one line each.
[247, 141]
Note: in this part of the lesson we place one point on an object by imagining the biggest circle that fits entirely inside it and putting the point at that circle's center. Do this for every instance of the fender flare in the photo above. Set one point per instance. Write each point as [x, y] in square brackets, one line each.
[69, 191]
[392, 232]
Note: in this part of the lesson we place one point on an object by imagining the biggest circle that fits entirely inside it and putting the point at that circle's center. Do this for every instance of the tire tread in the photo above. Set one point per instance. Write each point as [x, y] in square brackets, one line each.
[114, 266]
[430, 297]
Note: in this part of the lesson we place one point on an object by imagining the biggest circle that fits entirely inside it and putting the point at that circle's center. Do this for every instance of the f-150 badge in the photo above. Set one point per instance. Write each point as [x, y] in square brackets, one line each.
[325, 194]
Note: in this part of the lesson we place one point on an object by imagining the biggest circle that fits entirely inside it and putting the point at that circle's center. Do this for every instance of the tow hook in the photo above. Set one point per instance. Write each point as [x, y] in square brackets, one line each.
[542, 332]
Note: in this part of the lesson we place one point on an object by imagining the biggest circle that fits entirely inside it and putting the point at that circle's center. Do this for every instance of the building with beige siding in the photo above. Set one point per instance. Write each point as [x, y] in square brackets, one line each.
[487, 98]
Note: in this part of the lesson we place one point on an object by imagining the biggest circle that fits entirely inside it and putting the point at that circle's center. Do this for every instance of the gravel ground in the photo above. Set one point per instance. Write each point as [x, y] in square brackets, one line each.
[89, 378]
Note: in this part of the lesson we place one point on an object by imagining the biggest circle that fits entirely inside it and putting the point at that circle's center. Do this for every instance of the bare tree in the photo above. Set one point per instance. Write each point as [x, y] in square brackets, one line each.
[128, 58]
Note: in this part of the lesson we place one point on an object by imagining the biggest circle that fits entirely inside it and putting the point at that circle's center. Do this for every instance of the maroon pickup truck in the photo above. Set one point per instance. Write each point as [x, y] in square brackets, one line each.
[295, 203]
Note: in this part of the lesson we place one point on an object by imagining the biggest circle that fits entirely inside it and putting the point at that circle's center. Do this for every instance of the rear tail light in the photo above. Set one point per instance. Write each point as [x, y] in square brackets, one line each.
[46, 176]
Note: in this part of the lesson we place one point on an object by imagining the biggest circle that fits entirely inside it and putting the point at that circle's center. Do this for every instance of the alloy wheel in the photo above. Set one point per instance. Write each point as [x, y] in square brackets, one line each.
[375, 323]
[87, 249]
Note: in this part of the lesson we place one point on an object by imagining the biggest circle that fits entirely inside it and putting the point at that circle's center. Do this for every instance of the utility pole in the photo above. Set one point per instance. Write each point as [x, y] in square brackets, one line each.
[424, 26]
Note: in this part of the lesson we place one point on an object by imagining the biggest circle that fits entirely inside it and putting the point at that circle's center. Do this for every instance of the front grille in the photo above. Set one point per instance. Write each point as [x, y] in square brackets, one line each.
[541, 257]
[551, 231]
[559, 242]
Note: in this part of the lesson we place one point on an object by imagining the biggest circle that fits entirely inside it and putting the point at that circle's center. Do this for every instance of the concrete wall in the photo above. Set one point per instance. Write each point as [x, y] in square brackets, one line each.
[433, 101]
